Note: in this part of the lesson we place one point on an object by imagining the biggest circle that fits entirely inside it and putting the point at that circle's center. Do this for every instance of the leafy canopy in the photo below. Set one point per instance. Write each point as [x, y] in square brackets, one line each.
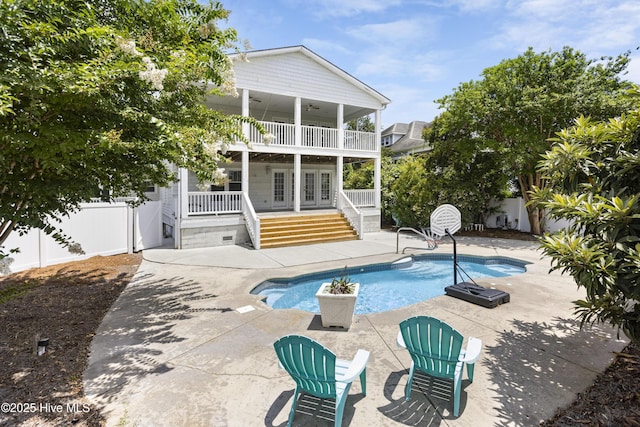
[593, 173]
[106, 95]
[521, 102]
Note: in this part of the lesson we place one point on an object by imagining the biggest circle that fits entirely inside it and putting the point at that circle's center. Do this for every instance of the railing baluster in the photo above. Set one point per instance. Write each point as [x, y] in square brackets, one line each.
[215, 202]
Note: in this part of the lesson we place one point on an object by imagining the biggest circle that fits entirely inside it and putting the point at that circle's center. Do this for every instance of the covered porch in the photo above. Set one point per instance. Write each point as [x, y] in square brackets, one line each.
[313, 110]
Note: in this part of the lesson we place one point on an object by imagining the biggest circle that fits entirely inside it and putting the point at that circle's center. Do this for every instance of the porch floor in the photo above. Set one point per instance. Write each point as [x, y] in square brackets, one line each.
[312, 211]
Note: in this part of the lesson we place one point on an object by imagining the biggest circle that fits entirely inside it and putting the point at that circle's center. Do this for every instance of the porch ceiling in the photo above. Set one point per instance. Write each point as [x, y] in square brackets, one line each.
[263, 105]
[236, 156]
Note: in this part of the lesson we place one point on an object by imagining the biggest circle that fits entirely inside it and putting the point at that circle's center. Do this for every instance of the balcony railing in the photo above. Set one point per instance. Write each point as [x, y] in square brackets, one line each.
[361, 198]
[284, 133]
[315, 137]
[360, 141]
[215, 202]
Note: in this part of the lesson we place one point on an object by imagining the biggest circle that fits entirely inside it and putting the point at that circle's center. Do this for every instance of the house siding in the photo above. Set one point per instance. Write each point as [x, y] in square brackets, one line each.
[294, 74]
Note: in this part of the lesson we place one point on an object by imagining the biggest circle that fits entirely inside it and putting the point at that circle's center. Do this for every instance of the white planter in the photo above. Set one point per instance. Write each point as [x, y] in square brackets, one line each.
[336, 309]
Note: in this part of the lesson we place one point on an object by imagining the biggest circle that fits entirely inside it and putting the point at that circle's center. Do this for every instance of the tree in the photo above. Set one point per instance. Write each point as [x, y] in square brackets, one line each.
[460, 173]
[522, 102]
[593, 176]
[363, 124]
[411, 193]
[359, 175]
[103, 96]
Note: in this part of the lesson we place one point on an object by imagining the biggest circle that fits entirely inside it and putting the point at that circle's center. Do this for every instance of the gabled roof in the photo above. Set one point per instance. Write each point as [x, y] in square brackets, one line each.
[320, 60]
[412, 140]
[396, 129]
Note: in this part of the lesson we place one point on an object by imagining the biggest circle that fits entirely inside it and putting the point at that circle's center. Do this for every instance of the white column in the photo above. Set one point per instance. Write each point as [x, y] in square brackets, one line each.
[245, 112]
[340, 124]
[246, 133]
[340, 158]
[183, 193]
[339, 177]
[297, 158]
[245, 171]
[297, 120]
[378, 129]
[297, 171]
[377, 164]
[376, 181]
[182, 205]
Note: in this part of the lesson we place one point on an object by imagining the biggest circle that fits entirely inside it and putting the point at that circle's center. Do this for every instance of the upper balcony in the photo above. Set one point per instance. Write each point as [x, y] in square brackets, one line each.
[316, 137]
[321, 123]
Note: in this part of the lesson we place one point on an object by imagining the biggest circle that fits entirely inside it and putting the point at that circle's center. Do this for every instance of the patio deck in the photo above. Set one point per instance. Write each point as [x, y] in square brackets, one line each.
[187, 345]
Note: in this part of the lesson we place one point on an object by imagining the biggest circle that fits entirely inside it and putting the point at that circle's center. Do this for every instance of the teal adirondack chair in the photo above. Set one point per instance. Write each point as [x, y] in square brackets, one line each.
[436, 349]
[318, 372]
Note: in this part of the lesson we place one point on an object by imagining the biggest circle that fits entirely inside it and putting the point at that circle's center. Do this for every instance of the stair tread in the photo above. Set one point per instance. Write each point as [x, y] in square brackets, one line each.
[280, 231]
[309, 235]
[318, 226]
[305, 242]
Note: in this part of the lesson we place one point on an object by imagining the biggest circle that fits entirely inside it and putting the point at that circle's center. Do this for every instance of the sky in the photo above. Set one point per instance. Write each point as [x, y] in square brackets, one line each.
[417, 51]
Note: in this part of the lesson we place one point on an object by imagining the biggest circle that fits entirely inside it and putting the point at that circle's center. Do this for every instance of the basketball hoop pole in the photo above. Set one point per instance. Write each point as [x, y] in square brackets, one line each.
[446, 219]
[455, 258]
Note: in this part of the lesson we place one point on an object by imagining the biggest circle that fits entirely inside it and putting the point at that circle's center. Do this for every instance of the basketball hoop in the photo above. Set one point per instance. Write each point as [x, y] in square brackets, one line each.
[445, 218]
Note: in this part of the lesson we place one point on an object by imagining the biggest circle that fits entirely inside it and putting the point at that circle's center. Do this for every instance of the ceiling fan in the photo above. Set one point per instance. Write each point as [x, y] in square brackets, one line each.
[312, 107]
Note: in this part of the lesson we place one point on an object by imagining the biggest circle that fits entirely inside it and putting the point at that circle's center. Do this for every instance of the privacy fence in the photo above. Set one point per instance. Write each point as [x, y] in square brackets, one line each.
[98, 228]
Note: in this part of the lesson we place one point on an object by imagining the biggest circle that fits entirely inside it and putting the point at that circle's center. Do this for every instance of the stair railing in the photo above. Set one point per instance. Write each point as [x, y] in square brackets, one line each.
[251, 220]
[353, 215]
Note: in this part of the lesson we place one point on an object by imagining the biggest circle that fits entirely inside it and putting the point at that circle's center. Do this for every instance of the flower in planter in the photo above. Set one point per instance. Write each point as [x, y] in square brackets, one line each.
[342, 284]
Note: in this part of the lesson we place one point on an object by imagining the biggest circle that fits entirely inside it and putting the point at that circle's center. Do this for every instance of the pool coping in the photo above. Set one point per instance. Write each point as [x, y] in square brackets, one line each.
[391, 265]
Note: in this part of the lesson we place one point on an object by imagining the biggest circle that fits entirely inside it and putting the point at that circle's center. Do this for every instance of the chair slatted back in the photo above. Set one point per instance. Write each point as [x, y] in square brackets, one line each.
[433, 345]
[310, 364]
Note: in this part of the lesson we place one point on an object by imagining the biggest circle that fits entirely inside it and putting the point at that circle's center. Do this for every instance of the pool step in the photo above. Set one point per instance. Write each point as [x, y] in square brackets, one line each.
[305, 229]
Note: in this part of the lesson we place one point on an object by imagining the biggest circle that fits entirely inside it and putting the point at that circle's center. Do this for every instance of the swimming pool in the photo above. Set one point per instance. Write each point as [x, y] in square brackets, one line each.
[387, 286]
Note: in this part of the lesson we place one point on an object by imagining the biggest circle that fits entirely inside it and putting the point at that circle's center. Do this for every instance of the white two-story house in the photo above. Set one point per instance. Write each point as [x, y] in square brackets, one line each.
[305, 102]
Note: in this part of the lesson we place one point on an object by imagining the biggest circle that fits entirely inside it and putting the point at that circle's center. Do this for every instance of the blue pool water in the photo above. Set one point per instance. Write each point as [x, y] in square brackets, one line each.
[387, 286]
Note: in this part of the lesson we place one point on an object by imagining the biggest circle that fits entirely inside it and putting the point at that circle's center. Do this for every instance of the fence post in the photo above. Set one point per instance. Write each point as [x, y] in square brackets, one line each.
[131, 225]
[42, 249]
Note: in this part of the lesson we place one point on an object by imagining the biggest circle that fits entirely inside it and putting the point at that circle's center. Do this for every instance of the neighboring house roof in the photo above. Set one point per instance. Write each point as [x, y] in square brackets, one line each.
[396, 129]
[411, 140]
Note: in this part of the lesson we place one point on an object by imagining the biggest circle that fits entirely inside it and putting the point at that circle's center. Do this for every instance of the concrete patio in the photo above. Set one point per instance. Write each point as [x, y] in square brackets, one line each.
[187, 345]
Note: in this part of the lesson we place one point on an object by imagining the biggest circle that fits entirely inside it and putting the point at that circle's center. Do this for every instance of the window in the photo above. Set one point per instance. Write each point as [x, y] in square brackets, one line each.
[235, 180]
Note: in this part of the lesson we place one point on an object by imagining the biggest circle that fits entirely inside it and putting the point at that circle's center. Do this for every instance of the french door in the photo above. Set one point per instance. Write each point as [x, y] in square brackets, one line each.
[279, 186]
[309, 188]
[316, 188]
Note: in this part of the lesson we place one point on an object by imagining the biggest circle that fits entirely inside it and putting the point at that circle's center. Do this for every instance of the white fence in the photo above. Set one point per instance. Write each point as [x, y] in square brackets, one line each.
[513, 214]
[99, 229]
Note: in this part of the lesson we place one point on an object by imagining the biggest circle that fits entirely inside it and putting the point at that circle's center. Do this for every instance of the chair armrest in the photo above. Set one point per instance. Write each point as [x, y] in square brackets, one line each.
[472, 353]
[400, 340]
[353, 367]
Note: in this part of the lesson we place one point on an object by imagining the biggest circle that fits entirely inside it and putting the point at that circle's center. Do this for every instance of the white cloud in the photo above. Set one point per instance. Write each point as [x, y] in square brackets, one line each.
[408, 104]
[474, 5]
[633, 70]
[401, 31]
[326, 9]
[320, 46]
[591, 26]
